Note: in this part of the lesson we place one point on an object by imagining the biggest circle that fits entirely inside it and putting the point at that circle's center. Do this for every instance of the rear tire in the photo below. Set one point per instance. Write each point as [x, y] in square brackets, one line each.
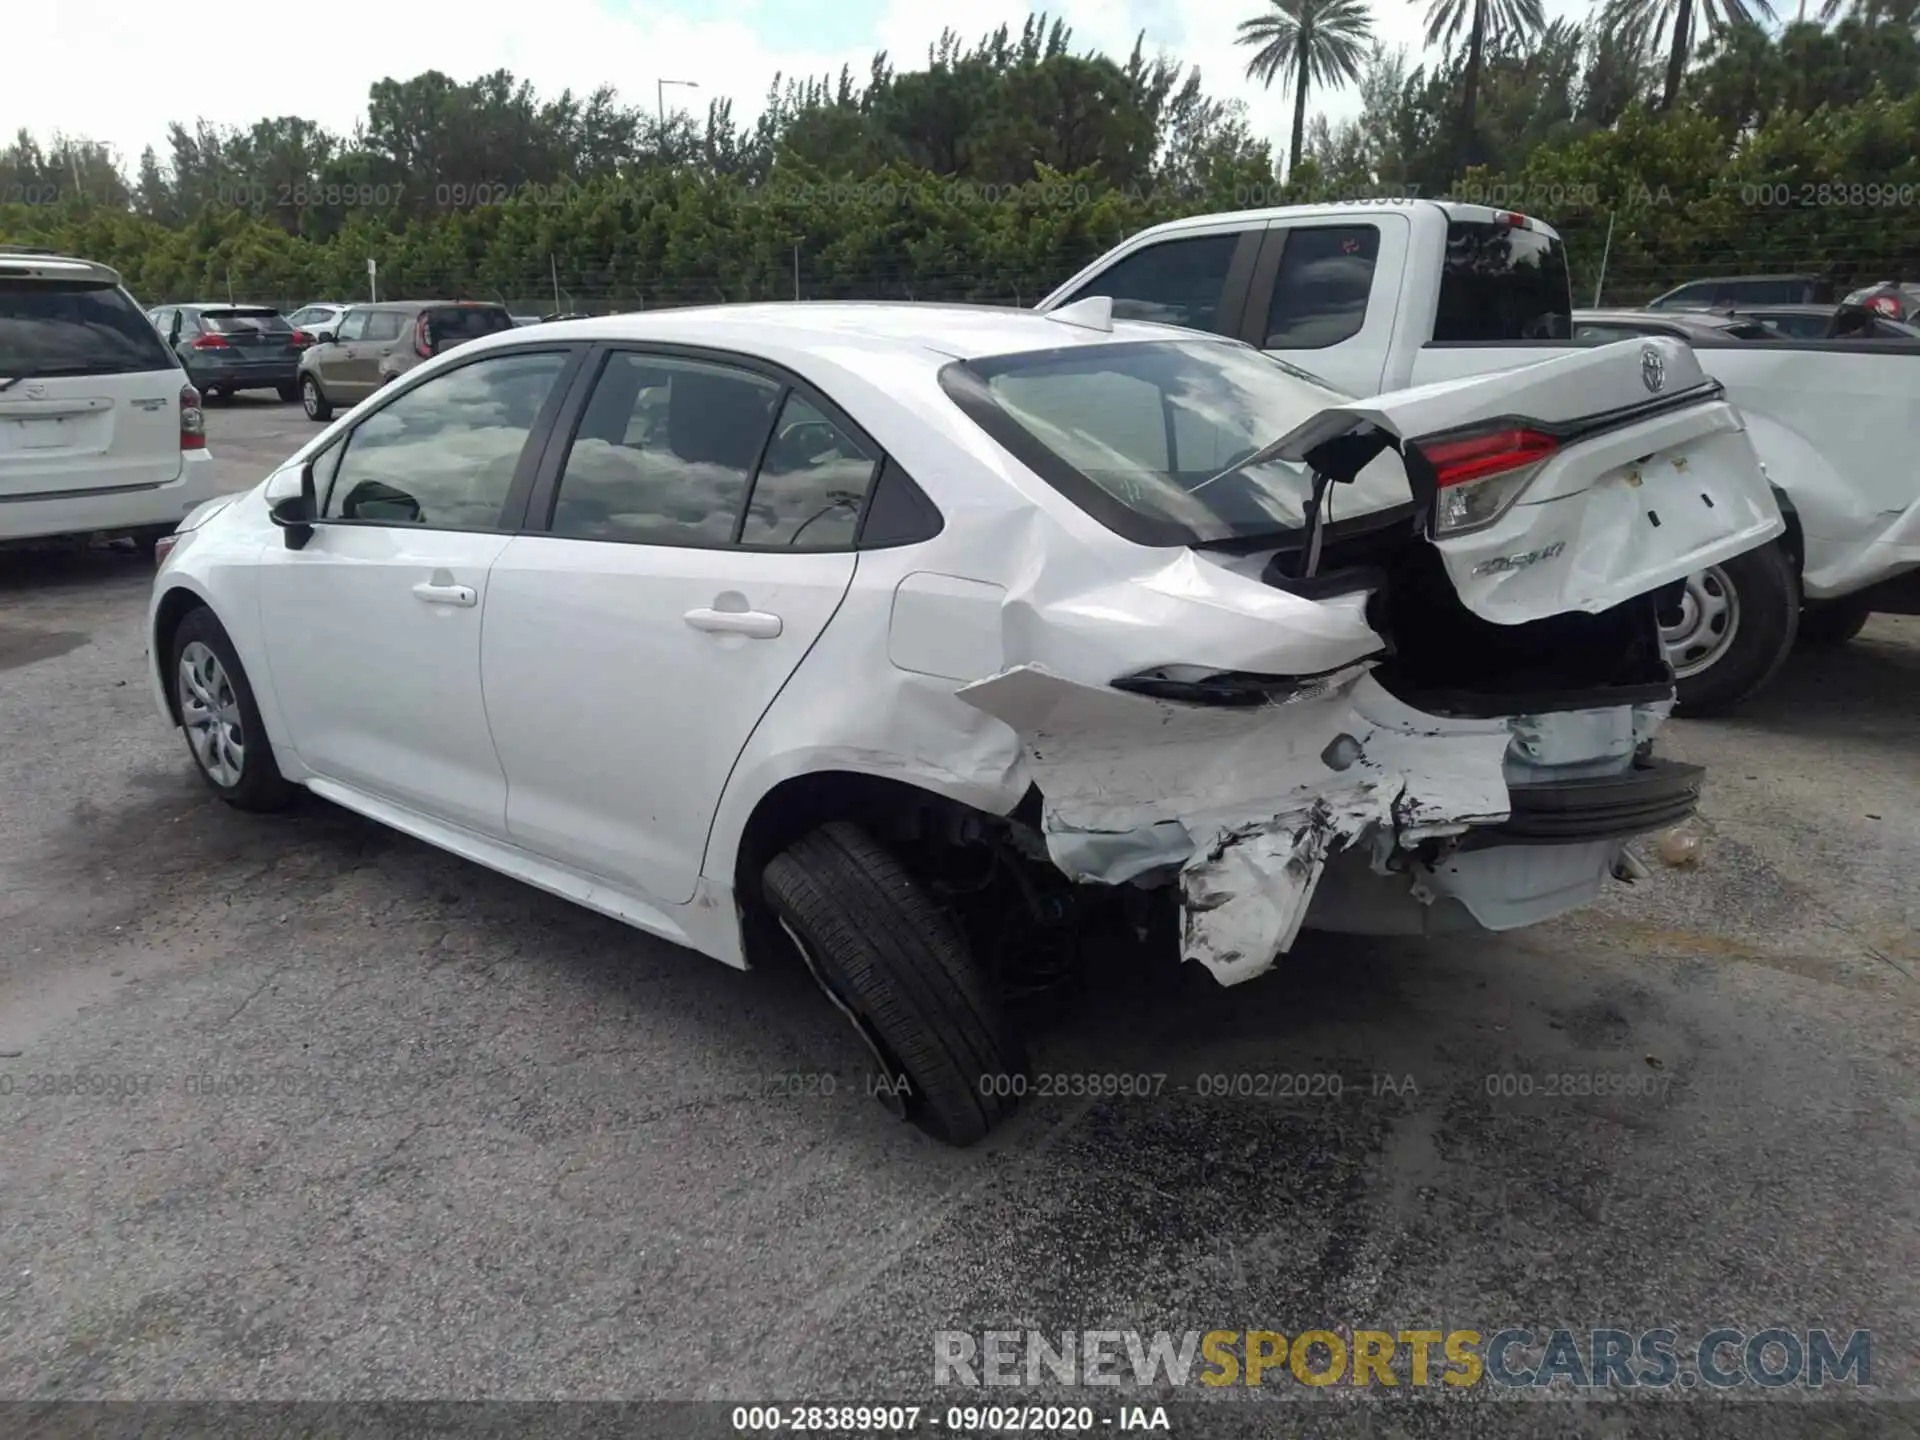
[1833, 623]
[1760, 595]
[222, 722]
[314, 400]
[896, 962]
[288, 393]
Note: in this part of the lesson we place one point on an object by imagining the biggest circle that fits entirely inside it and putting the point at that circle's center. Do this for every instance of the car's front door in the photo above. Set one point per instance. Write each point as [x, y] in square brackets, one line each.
[701, 537]
[329, 359]
[373, 627]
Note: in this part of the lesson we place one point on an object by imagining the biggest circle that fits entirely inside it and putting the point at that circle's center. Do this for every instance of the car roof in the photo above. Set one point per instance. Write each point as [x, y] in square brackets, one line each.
[1748, 279]
[19, 262]
[949, 331]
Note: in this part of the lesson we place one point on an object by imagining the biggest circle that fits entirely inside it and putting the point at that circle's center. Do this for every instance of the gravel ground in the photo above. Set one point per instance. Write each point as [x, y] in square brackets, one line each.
[476, 1143]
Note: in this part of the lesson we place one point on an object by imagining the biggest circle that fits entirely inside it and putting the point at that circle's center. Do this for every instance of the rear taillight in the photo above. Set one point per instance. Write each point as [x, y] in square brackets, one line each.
[193, 422]
[1479, 476]
[1886, 305]
[1513, 220]
[300, 339]
[422, 344]
[211, 342]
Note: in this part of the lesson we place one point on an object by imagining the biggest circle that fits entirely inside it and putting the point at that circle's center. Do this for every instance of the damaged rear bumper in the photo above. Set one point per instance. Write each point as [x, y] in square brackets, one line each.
[1502, 820]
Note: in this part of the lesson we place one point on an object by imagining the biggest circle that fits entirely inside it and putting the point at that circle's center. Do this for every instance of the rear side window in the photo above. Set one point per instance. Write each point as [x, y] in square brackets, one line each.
[61, 328]
[811, 483]
[1320, 294]
[384, 325]
[1500, 282]
[467, 322]
[664, 452]
[236, 322]
[1177, 282]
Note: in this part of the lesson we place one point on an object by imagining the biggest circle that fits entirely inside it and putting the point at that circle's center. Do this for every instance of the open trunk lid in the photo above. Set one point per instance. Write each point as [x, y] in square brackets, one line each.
[1570, 486]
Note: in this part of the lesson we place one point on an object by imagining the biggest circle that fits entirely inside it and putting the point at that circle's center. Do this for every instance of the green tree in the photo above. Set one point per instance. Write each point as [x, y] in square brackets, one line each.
[1484, 21]
[1303, 41]
[1641, 23]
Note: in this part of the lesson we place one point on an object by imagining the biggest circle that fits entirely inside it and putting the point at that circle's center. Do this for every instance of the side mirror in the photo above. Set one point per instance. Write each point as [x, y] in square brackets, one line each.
[295, 514]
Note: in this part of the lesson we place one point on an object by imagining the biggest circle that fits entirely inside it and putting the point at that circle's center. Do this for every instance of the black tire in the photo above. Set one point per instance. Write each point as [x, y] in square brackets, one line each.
[898, 963]
[288, 392]
[314, 400]
[1834, 622]
[259, 784]
[1767, 596]
[147, 539]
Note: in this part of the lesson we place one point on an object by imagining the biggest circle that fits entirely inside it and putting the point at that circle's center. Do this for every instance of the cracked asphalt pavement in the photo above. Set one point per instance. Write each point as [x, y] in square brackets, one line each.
[368, 1121]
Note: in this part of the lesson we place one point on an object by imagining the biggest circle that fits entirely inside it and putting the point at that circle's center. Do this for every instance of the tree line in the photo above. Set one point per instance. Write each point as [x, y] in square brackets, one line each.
[1004, 164]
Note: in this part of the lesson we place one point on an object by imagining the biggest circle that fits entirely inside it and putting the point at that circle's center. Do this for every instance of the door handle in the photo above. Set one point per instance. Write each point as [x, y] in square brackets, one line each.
[755, 624]
[465, 596]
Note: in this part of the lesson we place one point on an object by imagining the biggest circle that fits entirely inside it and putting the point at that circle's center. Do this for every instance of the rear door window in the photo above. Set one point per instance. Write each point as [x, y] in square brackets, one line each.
[1503, 283]
[467, 322]
[811, 483]
[1320, 294]
[247, 322]
[64, 328]
[384, 325]
[1176, 282]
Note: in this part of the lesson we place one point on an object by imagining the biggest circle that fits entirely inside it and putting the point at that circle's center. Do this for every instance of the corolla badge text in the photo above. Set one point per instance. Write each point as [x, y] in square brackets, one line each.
[1502, 564]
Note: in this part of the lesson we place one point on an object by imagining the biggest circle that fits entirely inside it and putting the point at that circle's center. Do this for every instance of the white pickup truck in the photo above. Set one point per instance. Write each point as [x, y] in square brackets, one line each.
[1379, 297]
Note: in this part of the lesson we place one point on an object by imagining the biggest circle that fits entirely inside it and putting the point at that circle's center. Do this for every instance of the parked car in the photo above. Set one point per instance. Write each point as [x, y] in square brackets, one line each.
[229, 348]
[1688, 325]
[1107, 646]
[1380, 297]
[1741, 291]
[318, 320]
[375, 344]
[100, 429]
[1889, 298]
[1829, 322]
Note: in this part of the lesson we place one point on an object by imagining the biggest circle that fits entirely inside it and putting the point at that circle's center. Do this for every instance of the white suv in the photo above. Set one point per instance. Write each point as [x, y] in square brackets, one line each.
[100, 433]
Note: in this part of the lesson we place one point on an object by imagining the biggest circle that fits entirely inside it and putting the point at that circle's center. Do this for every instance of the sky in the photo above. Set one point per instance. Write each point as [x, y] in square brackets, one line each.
[118, 71]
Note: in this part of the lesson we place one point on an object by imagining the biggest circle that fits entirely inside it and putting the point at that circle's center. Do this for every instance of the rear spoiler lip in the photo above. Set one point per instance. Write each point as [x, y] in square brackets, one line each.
[1568, 432]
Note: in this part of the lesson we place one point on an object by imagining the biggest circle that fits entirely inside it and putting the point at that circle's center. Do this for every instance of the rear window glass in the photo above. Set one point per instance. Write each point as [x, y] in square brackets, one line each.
[1144, 437]
[468, 322]
[237, 322]
[54, 328]
[1500, 282]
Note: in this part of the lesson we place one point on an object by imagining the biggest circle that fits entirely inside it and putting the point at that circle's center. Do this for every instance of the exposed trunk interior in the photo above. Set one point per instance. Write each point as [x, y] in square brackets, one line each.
[1446, 660]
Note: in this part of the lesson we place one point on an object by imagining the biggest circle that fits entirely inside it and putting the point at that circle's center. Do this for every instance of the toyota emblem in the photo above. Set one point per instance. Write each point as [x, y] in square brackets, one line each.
[1653, 369]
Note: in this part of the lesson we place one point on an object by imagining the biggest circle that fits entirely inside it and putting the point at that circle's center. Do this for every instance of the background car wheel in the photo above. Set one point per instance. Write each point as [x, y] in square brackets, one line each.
[222, 722]
[313, 401]
[1732, 629]
[897, 965]
[1833, 623]
[288, 392]
[211, 393]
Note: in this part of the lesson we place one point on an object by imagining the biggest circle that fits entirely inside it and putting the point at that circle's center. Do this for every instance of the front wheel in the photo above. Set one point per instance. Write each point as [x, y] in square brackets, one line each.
[1732, 629]
[222, 721]
[314, 400]
[896, 965]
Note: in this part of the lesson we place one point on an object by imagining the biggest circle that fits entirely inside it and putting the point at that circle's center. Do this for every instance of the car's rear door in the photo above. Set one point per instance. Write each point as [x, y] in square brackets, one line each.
[89, 393]
[699, 521]
[1324, 295]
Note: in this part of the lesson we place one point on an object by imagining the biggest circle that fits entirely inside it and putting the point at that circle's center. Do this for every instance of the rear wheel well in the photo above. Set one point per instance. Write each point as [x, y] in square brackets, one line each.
[175, 606]
[1794, 540]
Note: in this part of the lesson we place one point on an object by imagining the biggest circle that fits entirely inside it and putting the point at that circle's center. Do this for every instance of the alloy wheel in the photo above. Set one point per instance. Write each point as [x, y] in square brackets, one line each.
[210, 713]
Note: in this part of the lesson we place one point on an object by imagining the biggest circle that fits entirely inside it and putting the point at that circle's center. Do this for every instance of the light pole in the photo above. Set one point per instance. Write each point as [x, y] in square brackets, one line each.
[660, 95]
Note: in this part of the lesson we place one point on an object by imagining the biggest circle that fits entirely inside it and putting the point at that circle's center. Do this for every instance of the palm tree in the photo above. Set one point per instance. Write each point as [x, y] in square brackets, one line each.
[1640, 23]
[1322, 41]
[1484, 21]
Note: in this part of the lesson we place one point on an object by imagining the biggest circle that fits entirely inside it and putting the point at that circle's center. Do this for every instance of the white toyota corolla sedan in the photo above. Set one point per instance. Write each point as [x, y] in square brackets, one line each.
[918, 639]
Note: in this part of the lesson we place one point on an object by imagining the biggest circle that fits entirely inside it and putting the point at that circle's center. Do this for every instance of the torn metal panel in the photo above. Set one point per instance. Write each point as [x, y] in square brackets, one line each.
[1247, 802]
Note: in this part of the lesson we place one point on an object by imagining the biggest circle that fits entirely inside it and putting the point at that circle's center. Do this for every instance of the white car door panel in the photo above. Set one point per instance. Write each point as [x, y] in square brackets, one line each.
[373, 627]
[374, 637]
[702, 526]
[623, 681]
